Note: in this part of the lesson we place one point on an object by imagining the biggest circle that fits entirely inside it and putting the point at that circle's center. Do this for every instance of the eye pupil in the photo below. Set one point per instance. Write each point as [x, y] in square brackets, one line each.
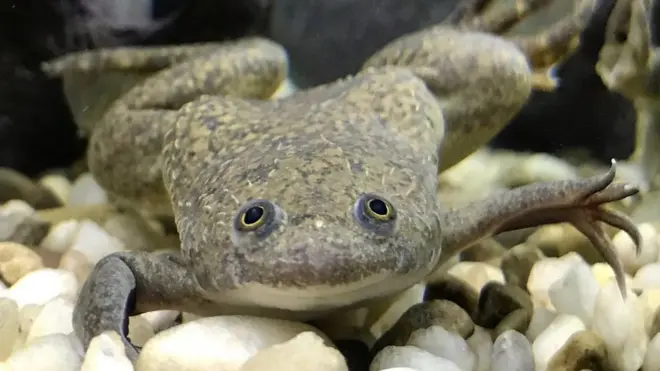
[378, 207]
[253, 215]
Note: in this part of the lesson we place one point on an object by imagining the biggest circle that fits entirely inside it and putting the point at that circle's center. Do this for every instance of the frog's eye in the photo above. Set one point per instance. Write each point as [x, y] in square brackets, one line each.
[258, 216]
[375, 213]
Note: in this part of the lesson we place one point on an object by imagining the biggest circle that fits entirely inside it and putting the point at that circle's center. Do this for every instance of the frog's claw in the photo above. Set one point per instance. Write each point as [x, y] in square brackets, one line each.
[578, 202]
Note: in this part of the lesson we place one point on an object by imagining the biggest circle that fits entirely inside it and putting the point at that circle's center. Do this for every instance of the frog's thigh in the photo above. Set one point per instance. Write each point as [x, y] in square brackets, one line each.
[124, 154]
[124, 284]
[254, 70]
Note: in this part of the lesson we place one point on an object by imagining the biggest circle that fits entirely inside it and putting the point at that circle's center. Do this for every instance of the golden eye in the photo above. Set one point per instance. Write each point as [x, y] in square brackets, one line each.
[378, 209]
[252, 218]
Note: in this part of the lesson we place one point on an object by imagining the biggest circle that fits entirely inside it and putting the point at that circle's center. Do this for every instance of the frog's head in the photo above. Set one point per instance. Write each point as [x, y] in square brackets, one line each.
[324, 209]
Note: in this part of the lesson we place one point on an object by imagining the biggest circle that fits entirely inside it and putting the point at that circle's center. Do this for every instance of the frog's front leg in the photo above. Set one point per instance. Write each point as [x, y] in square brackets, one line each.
[124, 284]
[578, 202]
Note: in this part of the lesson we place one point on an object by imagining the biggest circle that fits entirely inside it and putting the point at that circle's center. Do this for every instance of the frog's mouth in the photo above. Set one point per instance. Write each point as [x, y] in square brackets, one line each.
[321, 298]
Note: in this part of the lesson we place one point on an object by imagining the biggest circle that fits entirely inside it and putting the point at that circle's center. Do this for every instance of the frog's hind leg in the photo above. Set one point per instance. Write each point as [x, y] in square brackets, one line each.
[464, 11]
[585, 28]
[500, 19]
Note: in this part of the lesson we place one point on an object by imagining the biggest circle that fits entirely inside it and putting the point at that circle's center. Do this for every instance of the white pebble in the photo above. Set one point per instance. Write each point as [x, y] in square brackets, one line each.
[652, 357]
[554, 337]
[53, 352]
[41, 286]
[621, 326]
[541, 319]
[512, 352]
[477, 274]
[410, 356]
[442, 343]
[305, 352]
[58, 184]
[106, 353]
[86, 191]
[627, 250]
[545, 272]
[60, 237]
[54, 318]
[575, 292]
[647, 277]
[160, 319]
[94, 242]
[482, 347]
[8, 327]
[223, 342]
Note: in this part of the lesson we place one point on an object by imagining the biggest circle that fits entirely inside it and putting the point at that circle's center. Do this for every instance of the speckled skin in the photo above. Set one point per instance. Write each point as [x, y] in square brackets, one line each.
[204, 126]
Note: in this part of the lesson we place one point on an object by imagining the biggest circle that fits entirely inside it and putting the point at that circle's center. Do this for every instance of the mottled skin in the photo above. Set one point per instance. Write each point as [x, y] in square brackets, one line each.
[199, 138]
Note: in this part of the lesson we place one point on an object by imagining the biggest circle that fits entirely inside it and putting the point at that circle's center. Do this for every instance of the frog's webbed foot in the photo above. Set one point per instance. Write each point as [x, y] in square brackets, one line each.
[124, 284]
[578, 202]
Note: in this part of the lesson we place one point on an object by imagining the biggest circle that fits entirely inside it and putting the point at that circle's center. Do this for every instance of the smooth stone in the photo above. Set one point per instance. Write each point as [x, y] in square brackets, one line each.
[545, 272]
[550, 341]
[58, 184]
[17, 260]
[77, 263]
[410, 356]
[541, 319]
[86, 191]
[625, 334]
[304, 352]
[442, 343]
[223, 342]
[423, 315]
[517, 263]
[647, 277]
[94, 242]
[487, 250]
[52, 352]
[604, 274]
[382, 319]
[575, 292]
[503, 307]
[512, 352]
[583, 350]
[140, 330]
[477, 274]
[627, 250]
[106, 353]
[652, 357]
[160, 320]
[60, 237]
[454, 289]
[16, 186]
[54, 318]
[9, 327]
[20, 223]
[482, 346]
[43, 285]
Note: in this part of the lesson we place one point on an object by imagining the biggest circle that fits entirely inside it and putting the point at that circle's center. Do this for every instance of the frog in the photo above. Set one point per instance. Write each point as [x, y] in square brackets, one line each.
[325, 200]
